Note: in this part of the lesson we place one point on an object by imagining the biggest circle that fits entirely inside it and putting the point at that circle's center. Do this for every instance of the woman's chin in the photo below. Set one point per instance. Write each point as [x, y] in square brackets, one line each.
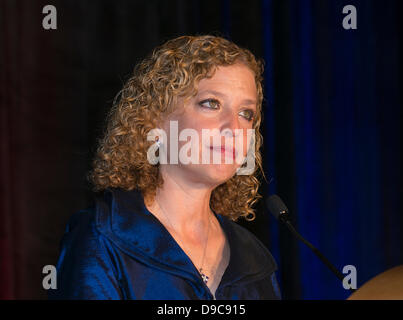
[220, 173]
[209, 174]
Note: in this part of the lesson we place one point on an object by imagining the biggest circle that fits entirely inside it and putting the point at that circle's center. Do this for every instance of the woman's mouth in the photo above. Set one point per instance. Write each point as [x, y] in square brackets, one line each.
[229, 152]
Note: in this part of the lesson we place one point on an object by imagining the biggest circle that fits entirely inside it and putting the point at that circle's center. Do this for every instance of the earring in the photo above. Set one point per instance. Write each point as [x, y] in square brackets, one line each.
[158, 143]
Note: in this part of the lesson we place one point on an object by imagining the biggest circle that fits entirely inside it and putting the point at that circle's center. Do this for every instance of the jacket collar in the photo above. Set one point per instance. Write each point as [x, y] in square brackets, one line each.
[124, 219]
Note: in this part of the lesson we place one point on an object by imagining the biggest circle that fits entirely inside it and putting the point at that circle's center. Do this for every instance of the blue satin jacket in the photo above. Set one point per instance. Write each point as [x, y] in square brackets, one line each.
[117, 249]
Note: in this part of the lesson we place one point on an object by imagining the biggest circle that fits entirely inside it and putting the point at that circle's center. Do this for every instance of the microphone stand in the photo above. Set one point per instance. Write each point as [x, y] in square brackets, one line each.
[284, 218]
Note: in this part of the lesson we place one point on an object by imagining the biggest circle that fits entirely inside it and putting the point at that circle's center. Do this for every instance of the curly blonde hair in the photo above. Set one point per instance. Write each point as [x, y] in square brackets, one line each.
[171, 71]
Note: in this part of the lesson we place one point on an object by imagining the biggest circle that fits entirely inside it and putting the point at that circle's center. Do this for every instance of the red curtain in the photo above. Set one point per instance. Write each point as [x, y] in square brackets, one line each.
[40, 135]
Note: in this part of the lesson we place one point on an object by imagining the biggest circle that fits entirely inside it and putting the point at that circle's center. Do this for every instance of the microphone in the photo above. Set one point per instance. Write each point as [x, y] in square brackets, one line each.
[279, 210]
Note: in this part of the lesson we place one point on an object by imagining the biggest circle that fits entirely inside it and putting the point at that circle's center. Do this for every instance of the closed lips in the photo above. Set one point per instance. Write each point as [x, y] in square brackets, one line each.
[221, 149]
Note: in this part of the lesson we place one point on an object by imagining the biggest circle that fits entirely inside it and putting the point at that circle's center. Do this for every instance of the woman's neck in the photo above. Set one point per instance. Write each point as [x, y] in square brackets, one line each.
[183, 206]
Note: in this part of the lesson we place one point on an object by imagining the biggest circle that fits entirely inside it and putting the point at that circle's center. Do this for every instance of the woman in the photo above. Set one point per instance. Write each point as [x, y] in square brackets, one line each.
[164, 229]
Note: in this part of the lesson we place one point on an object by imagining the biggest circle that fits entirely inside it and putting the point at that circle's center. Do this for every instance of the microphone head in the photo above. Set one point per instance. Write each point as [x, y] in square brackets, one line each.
[276, 206]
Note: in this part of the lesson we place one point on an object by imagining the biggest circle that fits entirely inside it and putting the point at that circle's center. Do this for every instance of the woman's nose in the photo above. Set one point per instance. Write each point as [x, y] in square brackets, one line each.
[230, 122]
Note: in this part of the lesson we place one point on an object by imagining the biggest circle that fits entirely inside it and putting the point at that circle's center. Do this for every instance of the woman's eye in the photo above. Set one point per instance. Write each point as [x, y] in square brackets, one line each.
[210, 103]
[247, 114]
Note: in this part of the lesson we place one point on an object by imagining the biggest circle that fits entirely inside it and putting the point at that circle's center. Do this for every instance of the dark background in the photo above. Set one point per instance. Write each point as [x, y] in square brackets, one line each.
[331, 124]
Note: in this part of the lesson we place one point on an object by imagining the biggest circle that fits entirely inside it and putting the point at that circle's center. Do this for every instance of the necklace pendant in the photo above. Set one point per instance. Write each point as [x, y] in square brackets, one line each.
[204, 277]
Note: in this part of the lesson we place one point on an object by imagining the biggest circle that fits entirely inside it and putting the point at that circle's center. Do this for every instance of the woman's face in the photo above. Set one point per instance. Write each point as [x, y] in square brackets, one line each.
[227, 102]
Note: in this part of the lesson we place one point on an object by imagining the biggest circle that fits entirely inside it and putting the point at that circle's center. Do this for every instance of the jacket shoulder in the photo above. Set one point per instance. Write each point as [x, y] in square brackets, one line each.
[84, 267]
[251, 246]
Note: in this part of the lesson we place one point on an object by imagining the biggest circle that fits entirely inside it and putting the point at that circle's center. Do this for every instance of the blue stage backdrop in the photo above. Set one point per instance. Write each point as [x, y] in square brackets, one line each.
[332, 140]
